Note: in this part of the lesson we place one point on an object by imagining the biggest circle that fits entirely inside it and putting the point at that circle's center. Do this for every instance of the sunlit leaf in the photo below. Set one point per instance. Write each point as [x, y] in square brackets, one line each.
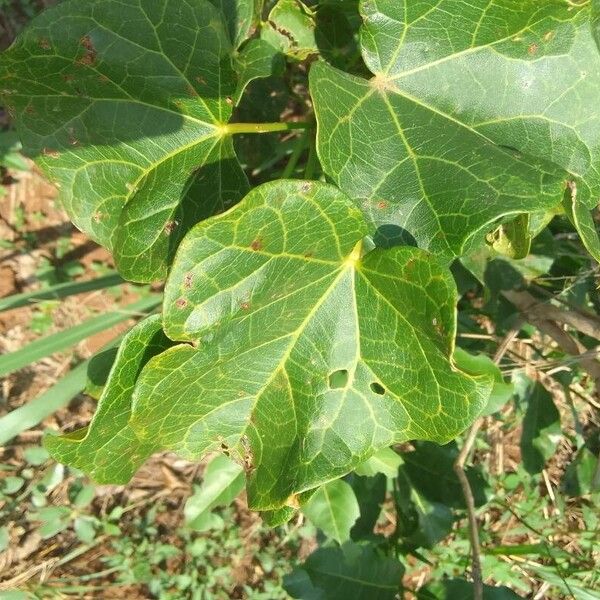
[290, 329]
[474, 113]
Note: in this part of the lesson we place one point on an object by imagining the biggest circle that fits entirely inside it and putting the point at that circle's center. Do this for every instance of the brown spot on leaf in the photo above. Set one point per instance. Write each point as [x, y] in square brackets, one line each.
[187, 281]
[51, 152]
[224, 448]
[245, 305]
[97, 216]
[382, 204]
[181, 303]
[67, 78]
[256, 244]
[533, 48]
[200, 79]
[44, 44]
[306, 187]
[170, 227]
[293, 501]
[229, 100]
[89, 57]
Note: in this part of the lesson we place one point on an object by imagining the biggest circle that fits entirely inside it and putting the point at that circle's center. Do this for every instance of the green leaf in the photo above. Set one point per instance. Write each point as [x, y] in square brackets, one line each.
[36, 455]
[461, 589]
[473, 114]
[481, 364]
[223, 480]
[430, 471]
[581, 475]
[422, 523]
[353, 571]
[257, 60]
[291, 29]
[11, 485]
[84, 529]
[108, 449]
[513, 239]
[541, 428]
[334, 509]
[277, 302]
[581, 217]
[370, 494]
[99, 371]
[386, 461]
[240, 17]
[85, 496]
[124, 104]
[280, 516]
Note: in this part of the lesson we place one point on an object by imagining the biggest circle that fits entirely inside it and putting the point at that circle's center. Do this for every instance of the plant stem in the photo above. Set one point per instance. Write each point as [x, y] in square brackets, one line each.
[233, 128]
[312, 161]
[295, 157]
[459, 469]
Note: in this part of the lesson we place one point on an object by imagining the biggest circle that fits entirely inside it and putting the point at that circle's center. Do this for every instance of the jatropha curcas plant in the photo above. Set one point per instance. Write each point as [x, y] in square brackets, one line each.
[307, 323]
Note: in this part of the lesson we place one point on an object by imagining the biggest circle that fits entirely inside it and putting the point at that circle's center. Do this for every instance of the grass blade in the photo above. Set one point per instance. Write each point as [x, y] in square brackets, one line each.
[58, 396]
[37, 410]
[65, 339]
[60, 290]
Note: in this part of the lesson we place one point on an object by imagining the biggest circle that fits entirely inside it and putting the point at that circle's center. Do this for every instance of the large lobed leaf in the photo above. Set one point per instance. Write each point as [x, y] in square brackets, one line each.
[302, 357]
[475, 111]
[123, 104]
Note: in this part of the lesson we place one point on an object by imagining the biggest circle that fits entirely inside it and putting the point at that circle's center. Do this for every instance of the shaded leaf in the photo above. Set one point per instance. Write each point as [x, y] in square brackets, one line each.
[240, 17]
[581, 475]
[541, 428]
[370, 494]
[461, 589]
[421, 523]
[430, 471]
[258, 59]
[352, 571]
[99, 370]
[581, 217]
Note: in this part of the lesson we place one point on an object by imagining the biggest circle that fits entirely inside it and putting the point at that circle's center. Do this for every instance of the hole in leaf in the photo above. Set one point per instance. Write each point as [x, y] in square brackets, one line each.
[377, 388]
[338, 379]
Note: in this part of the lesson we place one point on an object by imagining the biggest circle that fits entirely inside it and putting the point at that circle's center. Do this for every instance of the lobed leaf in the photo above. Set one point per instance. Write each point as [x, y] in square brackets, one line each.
[108, 449]
[305, 356]
[123, 104]
[474, 113]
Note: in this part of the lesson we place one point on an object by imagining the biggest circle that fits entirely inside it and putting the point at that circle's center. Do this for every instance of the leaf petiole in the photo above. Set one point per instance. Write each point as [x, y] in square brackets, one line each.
[234, 128]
